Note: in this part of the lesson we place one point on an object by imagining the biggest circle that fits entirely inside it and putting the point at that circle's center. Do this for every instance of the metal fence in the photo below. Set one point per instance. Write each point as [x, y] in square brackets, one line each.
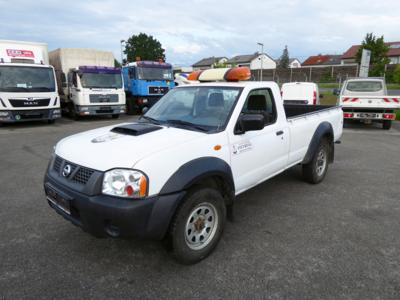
[337, 73]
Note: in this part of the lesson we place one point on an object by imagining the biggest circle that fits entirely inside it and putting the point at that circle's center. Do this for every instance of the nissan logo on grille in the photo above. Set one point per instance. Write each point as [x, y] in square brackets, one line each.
[66, 171]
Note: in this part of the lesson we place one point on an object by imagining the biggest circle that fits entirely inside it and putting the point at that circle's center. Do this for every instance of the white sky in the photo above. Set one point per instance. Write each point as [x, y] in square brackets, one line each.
[192, 29]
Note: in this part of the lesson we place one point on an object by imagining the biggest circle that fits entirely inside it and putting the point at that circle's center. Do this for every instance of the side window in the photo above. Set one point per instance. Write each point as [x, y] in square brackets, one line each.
[261, 101]
[131, 72]
[74, 82]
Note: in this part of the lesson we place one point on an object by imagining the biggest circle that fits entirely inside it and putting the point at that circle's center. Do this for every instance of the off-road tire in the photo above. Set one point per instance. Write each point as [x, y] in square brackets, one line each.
[179, 245]
[312, 172]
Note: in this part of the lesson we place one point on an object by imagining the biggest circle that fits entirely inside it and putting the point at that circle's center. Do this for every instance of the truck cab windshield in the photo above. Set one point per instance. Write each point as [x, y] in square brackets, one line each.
[195, 108]
[154, 74]
[97, 80]
[21, 79]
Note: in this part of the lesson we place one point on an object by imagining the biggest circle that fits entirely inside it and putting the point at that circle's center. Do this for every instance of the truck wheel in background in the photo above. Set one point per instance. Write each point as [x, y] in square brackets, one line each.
[115, 116]
[130, 107]
[72, 112]
[315, 171]
[52, 121]
[387, 124]
[197, 225]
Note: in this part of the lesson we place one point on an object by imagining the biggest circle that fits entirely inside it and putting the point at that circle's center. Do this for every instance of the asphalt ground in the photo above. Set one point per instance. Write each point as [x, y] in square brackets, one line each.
[290, 239]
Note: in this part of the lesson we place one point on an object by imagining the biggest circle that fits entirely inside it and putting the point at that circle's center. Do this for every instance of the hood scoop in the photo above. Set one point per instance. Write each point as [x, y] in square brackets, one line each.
[135, 129]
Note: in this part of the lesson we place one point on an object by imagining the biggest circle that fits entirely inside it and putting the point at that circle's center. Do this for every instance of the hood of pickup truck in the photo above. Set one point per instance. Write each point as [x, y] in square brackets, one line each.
[106, 148]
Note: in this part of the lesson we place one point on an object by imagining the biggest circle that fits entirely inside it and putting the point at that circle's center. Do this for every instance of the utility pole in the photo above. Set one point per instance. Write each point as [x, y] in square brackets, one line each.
[122, 52]
[261, 58]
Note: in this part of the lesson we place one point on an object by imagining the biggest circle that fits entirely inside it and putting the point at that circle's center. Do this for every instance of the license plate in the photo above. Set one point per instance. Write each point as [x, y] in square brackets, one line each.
[59, 201]
[105, 108]
[368, 115]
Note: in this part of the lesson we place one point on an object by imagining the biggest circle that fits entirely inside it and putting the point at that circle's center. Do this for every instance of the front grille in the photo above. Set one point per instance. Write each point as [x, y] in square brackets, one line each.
[78, 174]
[83, 175]
[57, 164]
[98, 98]
[159, 90]
[29, 102]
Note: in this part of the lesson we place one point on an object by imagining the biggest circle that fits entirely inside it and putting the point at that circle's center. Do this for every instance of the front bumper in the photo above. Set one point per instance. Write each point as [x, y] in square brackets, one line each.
[12, 116]
[92, 110]
[102, 215]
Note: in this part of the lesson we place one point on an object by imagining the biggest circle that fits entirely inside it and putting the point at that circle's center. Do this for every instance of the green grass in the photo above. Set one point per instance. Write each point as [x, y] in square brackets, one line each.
[390, 86]
[398, 115]
[328, 99]
[393, 86]
[328, 85]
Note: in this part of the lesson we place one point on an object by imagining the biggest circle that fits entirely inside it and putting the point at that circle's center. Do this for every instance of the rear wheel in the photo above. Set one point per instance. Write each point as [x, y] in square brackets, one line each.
[315, 171]
[115, 116]
[197, 225]
[387, 124]
[52, 121]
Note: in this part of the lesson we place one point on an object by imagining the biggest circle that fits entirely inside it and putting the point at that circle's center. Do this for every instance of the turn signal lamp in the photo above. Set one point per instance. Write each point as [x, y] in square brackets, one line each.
[194, 75]
[238, 74]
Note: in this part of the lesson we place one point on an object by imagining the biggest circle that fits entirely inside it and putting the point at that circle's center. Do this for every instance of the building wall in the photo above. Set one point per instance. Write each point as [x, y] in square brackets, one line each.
[394, 59]
[295, 64]
[267, 63]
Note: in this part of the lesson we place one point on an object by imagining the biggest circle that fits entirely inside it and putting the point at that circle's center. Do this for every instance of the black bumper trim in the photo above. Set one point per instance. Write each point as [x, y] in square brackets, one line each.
[142, 218]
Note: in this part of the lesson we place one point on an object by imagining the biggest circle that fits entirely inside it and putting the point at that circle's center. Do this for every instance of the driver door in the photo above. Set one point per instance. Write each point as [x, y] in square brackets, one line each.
[257, 155]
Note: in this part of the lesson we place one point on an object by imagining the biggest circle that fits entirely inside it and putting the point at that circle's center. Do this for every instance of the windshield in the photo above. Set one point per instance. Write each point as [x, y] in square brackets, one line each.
[364, 86]
[195, 108]
[26, 79]
[154, 74]
[95, 80]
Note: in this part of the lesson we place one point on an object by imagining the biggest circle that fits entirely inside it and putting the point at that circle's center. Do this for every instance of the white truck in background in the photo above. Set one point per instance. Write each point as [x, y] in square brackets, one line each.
[367, 100]
[28, 89]
[300, 93]
[89, 82]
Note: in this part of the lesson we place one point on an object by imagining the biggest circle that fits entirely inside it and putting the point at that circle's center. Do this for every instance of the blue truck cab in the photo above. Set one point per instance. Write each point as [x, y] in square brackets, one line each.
[145, 83]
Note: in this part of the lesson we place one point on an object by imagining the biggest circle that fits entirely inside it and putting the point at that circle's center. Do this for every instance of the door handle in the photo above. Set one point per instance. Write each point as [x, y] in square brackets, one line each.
[280, 132]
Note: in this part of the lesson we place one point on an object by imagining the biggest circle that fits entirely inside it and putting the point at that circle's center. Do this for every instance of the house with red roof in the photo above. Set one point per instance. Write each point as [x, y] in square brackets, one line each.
[322, 60]
[393, 54]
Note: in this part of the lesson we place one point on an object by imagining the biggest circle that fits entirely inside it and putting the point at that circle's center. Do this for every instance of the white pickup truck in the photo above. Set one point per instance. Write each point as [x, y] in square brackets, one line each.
[367, 100]
[175, 172]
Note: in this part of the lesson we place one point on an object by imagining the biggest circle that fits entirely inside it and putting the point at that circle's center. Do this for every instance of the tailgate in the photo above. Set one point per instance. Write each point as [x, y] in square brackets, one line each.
[371, 101]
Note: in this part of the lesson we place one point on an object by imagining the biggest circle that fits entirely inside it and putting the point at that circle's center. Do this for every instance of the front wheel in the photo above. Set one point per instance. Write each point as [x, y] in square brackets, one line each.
[197, 225]
[387, 124]
[315, 171]
[115, 116]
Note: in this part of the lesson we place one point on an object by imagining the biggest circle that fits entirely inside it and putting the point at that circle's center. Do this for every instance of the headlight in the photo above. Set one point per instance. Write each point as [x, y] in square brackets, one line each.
[125, 183]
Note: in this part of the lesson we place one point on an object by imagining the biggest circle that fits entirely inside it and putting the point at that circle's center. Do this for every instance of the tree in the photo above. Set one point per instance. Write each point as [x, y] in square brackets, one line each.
[284, 59]
[378, 54]
[144, 47]
[117, 64]
[396, 74]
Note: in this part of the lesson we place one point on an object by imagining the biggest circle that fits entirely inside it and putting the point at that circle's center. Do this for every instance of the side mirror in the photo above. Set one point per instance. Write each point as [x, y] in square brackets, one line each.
[249, 122]
[321, 96]
[336, 92]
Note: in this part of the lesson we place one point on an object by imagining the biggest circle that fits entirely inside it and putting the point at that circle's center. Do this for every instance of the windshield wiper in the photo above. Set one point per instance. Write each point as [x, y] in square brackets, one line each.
[187, 124]
[151, 120]
[41, 89]
[14, 89]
